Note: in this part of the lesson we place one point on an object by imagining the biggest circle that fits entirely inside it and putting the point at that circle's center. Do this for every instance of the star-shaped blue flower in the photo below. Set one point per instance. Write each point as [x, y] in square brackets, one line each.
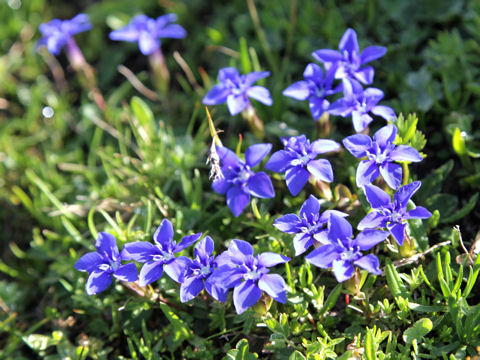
[239, 182]
[160, 256]
[380, 153]
[58, 33]
[343, 253]
[148, 32]
[298, 161]
[236, 90]
[392, 215]
[348, 61]
[105, 263]
[248, 275]
[315, 88]
[308, 227]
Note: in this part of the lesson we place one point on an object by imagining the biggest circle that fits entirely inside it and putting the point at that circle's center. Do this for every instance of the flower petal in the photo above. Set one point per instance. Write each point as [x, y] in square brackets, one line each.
[310, 207]
[385, 112]
[187, 241]
[287, 223]
[150, 272]
[253, 77]
[349, 41]
[358, 144]
[107, 246]
[370, 263]
[418, 213]
[343, 270]
[127, 272]
[140, 251]
[327, 55]
[89, 262]
[217, 95]
[365, 75]
[371, 53]
[321, 169]
[176, 268]
[147, 43]
[385, 135]
[377, 197]
[405, 153]
[296, 178]
[190, 288]
[322, 146]
[172, 31]
[228, 73]
[261, 94]
[269, 259]
[403, 195]
[240, 248]
[367, 172]
[299, 90]
[98, 281]
[301, 243]
[392, 174]
[398, 232]
[237, 200]
[204, 248]
[164, 234]
[245, 296]
[360, 120]
[318, 106]
[237, 103]
[339, 228]
[274, 285]
[255, 154]
[323, 256]
[369, 238]
[279, 161]
[221, 185]
[225, 276]
[217, 292]
[227, 157]
[373, 220]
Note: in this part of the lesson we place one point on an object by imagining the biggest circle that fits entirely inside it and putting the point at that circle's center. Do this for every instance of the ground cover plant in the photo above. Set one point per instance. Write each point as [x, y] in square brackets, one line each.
[239, 180]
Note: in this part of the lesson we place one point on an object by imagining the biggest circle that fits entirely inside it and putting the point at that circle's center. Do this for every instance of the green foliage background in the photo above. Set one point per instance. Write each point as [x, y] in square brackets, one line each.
[65, 178]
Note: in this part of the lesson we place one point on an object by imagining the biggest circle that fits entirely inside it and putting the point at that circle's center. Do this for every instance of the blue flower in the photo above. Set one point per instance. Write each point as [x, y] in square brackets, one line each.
[358, 103]
[161, 255]
[105, 263]
[392, 216]
[248, 275]
[239, 182]
[380, 153]
[147, 32]
[197, 274]
[315, 88]
[309, 227]
[297, 161]
[342, 252]
[348, 62]
[58, 33]
[236, 90]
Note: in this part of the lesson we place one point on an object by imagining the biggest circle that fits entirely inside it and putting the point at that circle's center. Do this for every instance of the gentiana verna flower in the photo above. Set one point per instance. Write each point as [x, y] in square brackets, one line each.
[248, 275]
[105, 263]
[298, 161]
[357, 103]
[148, 32]
[236, 89]
[198, 271]
[306, 227]
[342, 253]
[315, 88]
[160, 256]
[349, 61]
[239, 182]
[58, 33]
[380, 153]
[392, 215]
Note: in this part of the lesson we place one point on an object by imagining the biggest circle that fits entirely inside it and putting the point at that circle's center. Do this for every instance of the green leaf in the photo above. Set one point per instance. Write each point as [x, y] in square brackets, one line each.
[464, 211]
[331, 299]
[433, 183]
[297, 355]
[39, 342]
[142, 112]
[416, 332]
[458, 143]
[241, 352]
[244, 58]
[395, 283]
[370, 347]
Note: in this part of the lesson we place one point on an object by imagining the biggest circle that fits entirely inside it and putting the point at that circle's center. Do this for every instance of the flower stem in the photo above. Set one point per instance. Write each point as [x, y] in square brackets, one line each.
[160, 71]
[254, 121]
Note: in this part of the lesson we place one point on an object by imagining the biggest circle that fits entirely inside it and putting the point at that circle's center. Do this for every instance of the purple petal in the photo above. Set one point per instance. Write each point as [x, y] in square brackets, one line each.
[360, 120]
[343, 270]
[323, 256]
[217, 292]
[373, 220]
[385, 112]
[98, 281]
[187, 241]
[314, 73]
[318, 106]
[261, 186]
[237, 200]
[240, 248]
[273, 285]
[358, 144]
[269, 259]
[310, 207]
[107, 246]
[255, 76]
[349, 41]
[327, 55]
[339, 228]
[127, 33]
[261, 94]
[279, 161]
[385, 135]
[403, 195]
[296, 178]
[398, 232]
[418, 213]
[365, 75]
[299, 90]
[370, 263]
[369, 238]
[256, 153]
[225, 277]
[227, 157]
[228, 73]
[287, 223]
[127, 272]
[89, 261]
[367, 172]
[342, 107]
[321, 169]
[176, 268]
[373, 96]
[164, 234]
[405, 153]
[327, 213]
[322, 146]
[392, 174]
[371, 53]
[377, 197]
[245, 296]
[147, 43]
[150, 272]
[173, 31]
[301, 243]
[163, 20]
[237, 103]
[190, 288]
[204, 248]
[221, 186]
[217, 95]
[140, 251]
